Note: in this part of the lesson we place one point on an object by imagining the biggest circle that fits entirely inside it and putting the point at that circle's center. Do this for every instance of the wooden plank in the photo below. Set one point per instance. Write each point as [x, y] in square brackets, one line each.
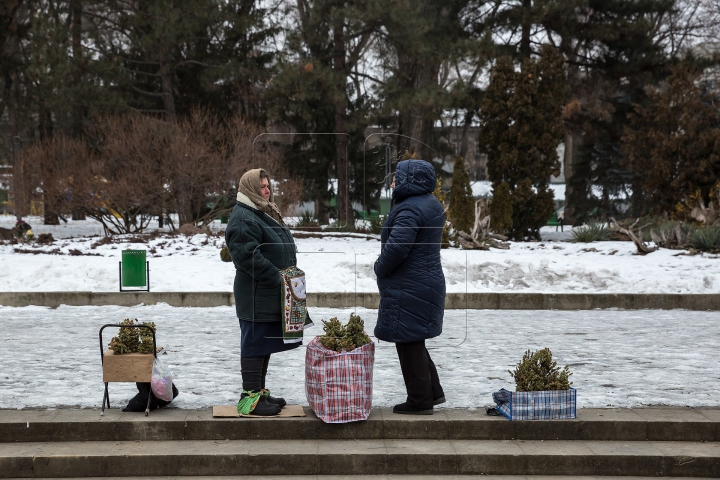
[230, 411]
[128, 367]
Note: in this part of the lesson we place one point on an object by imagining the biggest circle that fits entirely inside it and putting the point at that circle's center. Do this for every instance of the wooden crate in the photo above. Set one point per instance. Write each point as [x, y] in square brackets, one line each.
[128, 367]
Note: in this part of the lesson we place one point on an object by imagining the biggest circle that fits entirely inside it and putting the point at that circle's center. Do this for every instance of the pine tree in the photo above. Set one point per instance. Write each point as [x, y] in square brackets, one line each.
[674, 141]
[462, 206]
[440, 195]
[521, 129]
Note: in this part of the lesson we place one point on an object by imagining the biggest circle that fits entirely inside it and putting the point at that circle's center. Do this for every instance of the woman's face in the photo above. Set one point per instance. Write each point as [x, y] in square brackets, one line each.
[265, 188]
[392, 185]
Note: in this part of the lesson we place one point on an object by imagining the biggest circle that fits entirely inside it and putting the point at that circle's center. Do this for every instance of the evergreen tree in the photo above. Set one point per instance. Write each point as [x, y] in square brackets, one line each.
[462, 205]
[318, 91]
[521, 129]
[501, 209]
[440, 195]
[674, 141]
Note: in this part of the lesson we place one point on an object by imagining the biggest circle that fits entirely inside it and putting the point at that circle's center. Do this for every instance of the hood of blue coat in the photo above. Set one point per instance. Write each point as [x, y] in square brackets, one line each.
[413, 177]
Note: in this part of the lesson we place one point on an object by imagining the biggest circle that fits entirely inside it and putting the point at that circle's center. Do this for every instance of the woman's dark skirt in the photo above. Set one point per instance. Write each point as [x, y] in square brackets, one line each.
[262, 338]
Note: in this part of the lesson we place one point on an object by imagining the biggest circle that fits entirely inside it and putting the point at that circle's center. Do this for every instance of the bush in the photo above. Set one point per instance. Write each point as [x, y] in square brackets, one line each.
[592, 232]
[307, 222]
[706, 239]
[462, 205]
[339, 337]
[538, 371]
[225, 254]
[670, 234]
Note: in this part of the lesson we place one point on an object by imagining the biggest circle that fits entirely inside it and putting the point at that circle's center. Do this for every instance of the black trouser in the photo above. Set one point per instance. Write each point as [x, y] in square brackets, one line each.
[420, 375]
[254, 370]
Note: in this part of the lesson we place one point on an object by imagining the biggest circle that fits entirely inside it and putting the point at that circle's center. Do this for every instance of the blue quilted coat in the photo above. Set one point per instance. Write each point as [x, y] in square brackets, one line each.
[409, 273]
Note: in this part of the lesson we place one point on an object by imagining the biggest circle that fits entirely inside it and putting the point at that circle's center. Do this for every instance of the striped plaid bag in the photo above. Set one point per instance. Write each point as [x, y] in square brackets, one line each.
[338, 386]
[542, 405]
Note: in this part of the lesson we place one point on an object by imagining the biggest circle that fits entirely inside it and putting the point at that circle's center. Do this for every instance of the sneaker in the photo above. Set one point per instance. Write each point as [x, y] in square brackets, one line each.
[405, 409]
[438, 400]
[280, 402]
[263, 408]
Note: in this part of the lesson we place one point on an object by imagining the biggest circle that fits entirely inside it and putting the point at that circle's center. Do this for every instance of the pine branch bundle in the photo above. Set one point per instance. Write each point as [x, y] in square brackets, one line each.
[133, 339]
[146, 339]
[339, 337]
[538, 371]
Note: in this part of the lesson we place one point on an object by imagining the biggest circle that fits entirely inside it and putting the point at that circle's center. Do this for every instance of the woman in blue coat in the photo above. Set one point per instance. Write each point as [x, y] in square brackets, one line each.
[411, 282]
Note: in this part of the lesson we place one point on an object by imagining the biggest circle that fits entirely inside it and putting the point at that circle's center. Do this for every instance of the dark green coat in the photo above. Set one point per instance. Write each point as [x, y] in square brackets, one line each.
[259, 248]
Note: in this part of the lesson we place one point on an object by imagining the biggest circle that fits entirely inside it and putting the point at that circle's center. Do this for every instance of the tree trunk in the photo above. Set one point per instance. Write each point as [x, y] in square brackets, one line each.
[341, 139]
[418, 121]
[573, 141]
[167, 87]
[18, 187]
[77, 110]
[568, 159]
[527, 20]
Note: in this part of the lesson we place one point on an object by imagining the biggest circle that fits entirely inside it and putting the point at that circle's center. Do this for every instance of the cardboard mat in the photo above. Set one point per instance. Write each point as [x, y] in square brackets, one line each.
[230, 411]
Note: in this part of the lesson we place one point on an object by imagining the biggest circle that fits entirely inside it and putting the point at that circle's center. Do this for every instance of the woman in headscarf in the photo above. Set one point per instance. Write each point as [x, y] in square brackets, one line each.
[260, 245]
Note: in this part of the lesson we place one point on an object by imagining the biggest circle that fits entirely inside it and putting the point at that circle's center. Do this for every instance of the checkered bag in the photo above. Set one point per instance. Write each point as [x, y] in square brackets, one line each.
[542, 405]
[338, 386]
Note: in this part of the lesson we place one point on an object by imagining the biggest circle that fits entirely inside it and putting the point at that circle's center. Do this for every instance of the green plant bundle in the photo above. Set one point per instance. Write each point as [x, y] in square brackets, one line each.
[133, 339]
[538, 371]
[339, 337]
[225, 254]
[706, 239]
[592, 232]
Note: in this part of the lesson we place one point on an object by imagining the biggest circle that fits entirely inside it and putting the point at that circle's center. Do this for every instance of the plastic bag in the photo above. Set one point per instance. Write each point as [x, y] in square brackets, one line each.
[161, 381]
[338, 386]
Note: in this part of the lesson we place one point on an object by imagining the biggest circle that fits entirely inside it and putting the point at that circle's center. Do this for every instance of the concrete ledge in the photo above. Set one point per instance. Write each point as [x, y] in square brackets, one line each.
[643, 424]
[475, 301]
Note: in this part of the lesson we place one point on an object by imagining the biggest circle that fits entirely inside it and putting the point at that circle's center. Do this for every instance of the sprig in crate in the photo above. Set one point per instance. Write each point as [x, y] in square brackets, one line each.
[133, 339]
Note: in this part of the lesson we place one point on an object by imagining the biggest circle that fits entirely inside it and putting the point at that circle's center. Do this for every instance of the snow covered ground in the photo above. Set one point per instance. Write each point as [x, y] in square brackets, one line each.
[51, 358]
[83, 260]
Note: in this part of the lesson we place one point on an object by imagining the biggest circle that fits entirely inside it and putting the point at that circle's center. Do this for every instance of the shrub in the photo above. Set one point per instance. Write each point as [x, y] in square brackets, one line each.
[462, 205]
[45, 239]
[706, 239]
[225, 254]
[501, 209]
[538, 371]
[339, 337]
[670, 234]
[307, 221]
[592, 232]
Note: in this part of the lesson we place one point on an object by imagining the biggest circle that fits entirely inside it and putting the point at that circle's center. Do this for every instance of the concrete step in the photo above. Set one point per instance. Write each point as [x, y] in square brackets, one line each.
[358, 457]
[391, 477]
[641, 424]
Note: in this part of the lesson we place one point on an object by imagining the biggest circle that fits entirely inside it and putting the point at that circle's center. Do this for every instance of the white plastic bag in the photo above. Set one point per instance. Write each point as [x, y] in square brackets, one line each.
[161, 381]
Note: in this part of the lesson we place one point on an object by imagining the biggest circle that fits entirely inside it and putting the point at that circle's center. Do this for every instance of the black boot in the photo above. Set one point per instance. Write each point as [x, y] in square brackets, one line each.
[406, 409]
[262, 408]
[280, 402]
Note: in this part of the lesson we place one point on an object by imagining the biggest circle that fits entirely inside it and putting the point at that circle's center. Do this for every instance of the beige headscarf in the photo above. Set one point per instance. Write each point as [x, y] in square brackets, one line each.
[250, 188]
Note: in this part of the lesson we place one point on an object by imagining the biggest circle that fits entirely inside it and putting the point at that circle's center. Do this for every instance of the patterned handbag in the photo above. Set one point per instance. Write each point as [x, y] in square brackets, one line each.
[294, 304]
[541, 405]
[338, 386]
